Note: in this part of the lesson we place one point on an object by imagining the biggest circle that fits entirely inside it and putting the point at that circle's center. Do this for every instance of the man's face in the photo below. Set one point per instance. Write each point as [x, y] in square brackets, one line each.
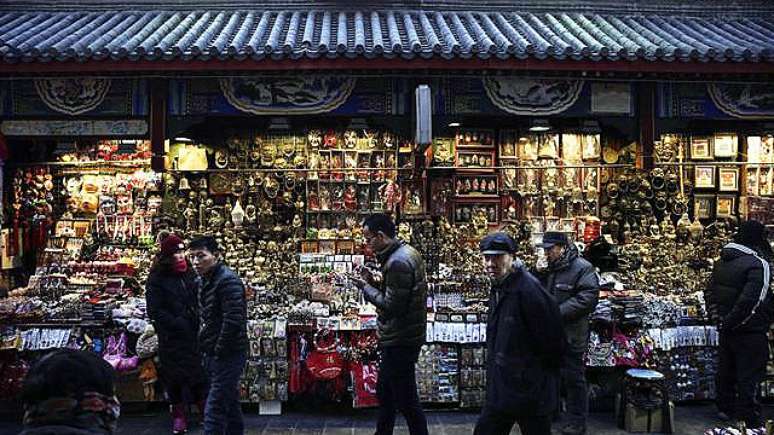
[498, 265]
[202, 260]
[555, 252]
[375, 241]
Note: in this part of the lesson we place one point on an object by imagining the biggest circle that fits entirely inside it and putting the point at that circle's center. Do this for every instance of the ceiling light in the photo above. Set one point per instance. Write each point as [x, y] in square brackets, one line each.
[539, 125]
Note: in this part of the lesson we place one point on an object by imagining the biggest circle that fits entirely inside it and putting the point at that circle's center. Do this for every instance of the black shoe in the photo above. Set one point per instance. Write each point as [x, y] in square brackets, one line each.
[723, 416]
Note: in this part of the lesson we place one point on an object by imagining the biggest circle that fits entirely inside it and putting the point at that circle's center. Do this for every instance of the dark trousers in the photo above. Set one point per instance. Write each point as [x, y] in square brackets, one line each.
[742, 367]
[397, 390]
[492, 422]
[223, 411]
[177, 392]
[575, 388]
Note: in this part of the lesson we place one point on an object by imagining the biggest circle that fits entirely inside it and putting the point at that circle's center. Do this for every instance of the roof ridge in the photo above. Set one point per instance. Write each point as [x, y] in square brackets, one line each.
[612, 7]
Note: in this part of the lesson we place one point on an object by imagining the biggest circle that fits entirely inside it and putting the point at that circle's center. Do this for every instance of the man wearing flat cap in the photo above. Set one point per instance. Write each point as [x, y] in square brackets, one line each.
[740, 301]
[525, 342]
[574, 283]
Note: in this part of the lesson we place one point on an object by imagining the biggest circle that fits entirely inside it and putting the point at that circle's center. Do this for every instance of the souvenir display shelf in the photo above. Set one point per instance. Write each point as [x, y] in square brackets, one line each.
[286, 209]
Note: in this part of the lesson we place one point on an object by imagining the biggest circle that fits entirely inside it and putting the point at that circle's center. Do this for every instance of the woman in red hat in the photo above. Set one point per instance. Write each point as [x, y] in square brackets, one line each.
[171, 295]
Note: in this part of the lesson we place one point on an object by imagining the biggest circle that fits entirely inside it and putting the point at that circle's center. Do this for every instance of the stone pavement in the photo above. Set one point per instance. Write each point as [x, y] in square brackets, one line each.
[689, 419]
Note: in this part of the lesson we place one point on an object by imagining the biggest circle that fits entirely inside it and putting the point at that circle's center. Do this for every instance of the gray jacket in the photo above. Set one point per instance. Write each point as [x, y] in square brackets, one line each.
[575, 284]
[401, 299]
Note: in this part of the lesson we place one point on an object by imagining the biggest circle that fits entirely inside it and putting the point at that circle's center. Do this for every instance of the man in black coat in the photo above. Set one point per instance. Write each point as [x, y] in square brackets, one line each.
[222, 337]
[525, 342]
[400, 298]
[739, 300]
[574, 283]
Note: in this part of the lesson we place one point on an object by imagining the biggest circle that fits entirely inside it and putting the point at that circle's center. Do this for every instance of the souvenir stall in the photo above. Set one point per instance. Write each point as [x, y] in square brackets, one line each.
[285, 195]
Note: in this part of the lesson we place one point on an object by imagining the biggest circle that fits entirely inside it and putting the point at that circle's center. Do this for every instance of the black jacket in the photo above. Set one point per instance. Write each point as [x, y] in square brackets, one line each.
[574, 283]
[222, 313]
[738, 297]
[525, 343]
[401, 300]
[173, 309]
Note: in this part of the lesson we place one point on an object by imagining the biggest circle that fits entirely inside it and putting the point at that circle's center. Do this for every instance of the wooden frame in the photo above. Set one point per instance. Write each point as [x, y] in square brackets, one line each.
[702, 206]
[725, 206]
[704, 177]
[728, 179]
[481, 160]
[725, 145]
[701, 148]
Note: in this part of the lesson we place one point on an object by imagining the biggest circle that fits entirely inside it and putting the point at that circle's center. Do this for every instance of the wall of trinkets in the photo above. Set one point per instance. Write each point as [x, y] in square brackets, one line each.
[286, 207]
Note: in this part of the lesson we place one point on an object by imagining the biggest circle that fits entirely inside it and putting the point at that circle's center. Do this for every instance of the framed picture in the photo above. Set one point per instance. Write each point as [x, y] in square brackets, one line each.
[700, 148]
[475, 160]
[725, 206]
[725, 145]
[704, 177]
[729, 179]
[702, 206]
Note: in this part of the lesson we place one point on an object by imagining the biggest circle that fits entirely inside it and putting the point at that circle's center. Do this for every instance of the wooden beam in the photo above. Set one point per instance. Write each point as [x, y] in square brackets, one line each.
[646, 112]
[110, 66]
[158, 121]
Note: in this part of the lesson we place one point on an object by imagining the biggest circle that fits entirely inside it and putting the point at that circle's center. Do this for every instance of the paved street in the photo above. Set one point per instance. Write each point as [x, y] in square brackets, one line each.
[692, 419]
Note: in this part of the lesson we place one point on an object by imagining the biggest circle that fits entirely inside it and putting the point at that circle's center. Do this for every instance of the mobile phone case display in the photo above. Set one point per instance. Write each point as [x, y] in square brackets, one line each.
[266, 375]
[472, 376]
[437, 372]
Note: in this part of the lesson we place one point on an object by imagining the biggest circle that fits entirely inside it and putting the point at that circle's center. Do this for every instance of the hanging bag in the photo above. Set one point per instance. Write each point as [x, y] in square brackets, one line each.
[325, 362]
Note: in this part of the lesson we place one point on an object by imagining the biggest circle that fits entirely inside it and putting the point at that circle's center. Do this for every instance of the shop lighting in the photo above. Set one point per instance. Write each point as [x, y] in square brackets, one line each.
[183, 139]
[539, 125]
[454, 124]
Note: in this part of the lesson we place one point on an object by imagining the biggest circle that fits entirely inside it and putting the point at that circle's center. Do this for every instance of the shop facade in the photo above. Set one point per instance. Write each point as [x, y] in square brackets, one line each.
[277, 131]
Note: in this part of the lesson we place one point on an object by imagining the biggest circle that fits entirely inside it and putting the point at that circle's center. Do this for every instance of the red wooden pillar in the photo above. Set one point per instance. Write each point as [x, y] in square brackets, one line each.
[646, 111]
[158, 121]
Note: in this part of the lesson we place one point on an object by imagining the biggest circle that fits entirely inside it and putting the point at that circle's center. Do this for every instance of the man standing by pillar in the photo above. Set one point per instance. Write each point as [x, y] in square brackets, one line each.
[524, 344]
[399, 298]
[738, 298]
[574, 283]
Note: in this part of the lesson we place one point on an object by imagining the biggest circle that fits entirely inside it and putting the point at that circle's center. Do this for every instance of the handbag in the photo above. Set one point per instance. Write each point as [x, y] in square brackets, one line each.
[325, 362]
[147, 343]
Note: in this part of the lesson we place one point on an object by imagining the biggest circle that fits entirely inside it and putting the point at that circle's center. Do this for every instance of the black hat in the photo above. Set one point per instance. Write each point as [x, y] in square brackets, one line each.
[497, 243]
[552, 238]
[753, 234]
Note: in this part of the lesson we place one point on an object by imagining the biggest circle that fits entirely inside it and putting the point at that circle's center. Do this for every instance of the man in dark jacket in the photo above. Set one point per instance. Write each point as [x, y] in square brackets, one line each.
[574, 283]
[738, 298]
[399, 298]
[222, 336]
[525, 342]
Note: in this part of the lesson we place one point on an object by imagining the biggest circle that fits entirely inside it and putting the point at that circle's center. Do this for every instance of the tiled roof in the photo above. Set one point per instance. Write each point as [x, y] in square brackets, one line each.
[238, 34]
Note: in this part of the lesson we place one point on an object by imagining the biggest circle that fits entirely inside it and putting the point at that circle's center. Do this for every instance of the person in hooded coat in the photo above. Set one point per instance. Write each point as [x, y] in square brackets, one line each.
[739, 301]
[171, 296]
[70, 392]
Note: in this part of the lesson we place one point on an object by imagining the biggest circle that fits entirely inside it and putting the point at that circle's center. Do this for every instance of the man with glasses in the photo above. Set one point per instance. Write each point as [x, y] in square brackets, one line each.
[222, 336]
[399, 298]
